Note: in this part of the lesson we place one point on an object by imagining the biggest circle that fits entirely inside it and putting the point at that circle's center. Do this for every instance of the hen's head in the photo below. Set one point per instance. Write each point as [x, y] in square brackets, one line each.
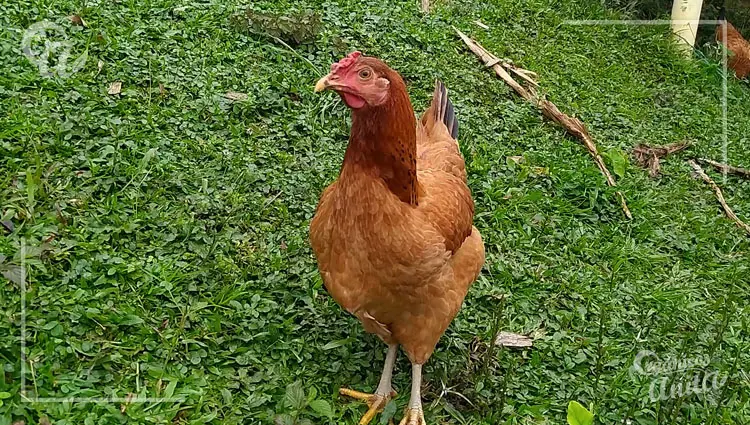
[361, 81]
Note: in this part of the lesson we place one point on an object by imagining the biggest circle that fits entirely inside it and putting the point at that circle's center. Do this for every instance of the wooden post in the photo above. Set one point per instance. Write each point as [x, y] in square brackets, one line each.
[685, 17]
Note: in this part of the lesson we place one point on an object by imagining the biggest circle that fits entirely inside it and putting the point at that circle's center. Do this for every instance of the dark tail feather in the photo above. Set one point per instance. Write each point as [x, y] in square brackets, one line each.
[444, 108]
[723, 13]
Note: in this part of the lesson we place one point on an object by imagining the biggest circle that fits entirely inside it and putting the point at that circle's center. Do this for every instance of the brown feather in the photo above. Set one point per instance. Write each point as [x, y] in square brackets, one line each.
[739, 49]
[393, 236]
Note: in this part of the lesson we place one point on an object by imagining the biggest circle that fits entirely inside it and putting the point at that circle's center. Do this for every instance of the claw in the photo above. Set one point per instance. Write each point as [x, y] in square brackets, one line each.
[413, 417]
[375, 402]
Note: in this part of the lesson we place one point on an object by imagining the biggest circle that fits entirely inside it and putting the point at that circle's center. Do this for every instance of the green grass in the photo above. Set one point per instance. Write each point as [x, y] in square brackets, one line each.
[168, 231]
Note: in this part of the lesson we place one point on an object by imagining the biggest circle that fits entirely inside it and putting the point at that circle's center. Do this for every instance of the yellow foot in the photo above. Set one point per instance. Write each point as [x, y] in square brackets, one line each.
[375, 402]
[413, 417]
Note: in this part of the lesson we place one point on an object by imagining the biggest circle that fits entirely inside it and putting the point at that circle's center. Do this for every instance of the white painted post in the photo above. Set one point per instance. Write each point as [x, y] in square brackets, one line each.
[685, 17]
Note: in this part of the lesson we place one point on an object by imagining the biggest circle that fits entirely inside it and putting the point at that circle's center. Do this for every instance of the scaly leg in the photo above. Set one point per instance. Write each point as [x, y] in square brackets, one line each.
[376, 402]
[414, 414]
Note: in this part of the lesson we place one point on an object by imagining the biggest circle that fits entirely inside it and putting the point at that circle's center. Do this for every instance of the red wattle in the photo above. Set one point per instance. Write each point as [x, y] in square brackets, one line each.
[352, 100]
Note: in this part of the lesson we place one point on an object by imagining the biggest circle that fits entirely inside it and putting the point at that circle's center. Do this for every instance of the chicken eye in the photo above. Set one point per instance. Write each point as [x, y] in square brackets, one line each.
[365, 74]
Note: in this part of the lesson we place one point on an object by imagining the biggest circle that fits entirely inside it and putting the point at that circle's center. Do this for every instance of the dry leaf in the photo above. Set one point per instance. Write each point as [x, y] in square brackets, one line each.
[517, 159]
[162, 90]
[77, 20]
[99, 66]
[508, 339]
[649, 156]
[44, 421]
[8, 225]
[235, 96]
[124, 407]
[115, 87]
[540, 171]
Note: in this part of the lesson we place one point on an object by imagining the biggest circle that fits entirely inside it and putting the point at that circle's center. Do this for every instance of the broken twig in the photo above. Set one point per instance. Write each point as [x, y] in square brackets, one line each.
[720, 196]
[726, 169]
[509, 339]
[235, 96]
[650, 156]
[480, 24]
[572, 125]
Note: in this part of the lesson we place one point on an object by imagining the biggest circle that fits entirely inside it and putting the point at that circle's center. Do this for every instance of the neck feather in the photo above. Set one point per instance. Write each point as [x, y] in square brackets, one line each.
[383, 142]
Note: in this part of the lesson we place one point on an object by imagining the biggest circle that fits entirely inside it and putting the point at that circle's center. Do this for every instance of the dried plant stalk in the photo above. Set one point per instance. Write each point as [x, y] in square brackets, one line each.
[572, 125]
[719, 195]
[725, 168]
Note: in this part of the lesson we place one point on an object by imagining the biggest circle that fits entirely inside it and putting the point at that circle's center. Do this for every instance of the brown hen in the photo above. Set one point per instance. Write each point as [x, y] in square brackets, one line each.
[393, 236]
[738, 47]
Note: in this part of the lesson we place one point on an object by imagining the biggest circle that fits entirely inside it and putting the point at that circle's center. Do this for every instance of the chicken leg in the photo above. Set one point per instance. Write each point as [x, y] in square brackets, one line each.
[377, 401]
[414, 414]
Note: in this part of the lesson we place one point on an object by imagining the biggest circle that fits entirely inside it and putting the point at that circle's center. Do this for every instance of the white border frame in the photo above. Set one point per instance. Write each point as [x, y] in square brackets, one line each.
[132, 400]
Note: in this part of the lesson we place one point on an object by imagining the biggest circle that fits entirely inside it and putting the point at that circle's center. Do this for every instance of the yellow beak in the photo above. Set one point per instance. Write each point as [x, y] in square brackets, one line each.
[322, 84]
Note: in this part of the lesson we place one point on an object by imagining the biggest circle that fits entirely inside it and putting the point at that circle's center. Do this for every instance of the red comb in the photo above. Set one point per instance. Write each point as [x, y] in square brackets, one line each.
[346, 62]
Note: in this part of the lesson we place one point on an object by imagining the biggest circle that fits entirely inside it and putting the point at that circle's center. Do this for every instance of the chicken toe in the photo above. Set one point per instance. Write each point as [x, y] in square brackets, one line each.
[383, 394]
[413, 417]
[375, 403]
